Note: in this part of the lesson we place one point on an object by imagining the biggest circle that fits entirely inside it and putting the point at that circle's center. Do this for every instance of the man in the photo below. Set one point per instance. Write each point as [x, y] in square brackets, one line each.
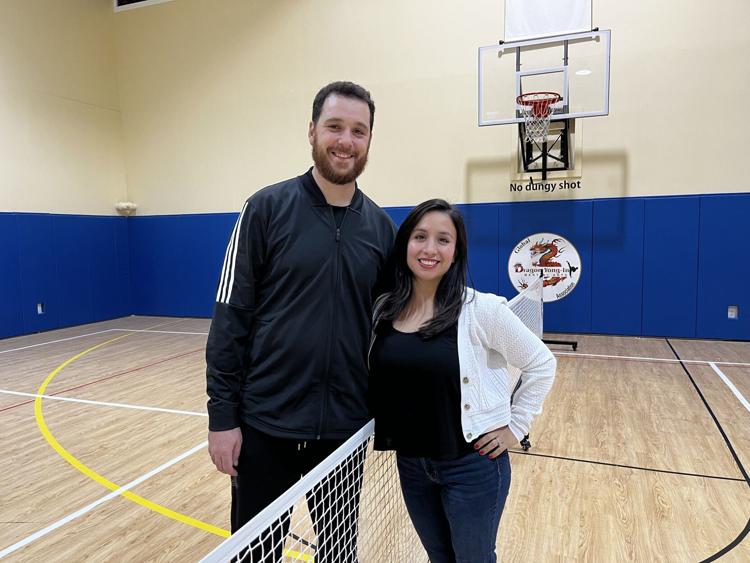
[286, 353]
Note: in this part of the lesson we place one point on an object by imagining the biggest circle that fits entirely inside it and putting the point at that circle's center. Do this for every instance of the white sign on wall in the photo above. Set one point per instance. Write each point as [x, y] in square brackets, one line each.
[545, 254]
[531, 19]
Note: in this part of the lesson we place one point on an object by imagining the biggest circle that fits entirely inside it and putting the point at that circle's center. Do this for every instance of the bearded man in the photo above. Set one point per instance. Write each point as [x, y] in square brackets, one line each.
[286, 353]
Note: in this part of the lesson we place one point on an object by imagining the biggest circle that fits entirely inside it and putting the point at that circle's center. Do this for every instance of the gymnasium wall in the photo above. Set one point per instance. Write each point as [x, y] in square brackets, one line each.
[656, 266]
[188, 107]
[62, 270]
[61, 145]
[216, 99]
[61, 167]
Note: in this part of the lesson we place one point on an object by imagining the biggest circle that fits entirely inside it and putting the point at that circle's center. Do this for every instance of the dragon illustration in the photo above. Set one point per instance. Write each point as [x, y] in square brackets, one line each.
[545, 251]
[553, 280]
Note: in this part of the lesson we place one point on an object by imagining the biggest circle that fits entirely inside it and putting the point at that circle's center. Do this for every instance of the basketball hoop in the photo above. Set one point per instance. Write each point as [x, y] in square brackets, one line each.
[537, 109]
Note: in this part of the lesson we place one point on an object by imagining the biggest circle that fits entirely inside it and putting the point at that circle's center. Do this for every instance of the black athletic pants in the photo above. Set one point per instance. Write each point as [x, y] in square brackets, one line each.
[268, 466]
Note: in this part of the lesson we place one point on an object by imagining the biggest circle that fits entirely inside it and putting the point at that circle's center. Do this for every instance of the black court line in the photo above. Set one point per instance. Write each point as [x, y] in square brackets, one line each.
[746, 529]
[637, 468]
[303, 541]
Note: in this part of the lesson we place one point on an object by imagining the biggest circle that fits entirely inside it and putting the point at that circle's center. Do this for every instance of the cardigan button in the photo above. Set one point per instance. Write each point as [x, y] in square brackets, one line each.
[468, 436]
[467, 407]
[466, 379]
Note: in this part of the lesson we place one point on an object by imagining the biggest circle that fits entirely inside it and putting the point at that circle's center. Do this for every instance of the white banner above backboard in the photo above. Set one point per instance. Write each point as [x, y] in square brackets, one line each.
[530, 19]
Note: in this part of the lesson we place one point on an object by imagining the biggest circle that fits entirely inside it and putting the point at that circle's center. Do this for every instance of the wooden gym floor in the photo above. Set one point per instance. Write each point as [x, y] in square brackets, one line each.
[637, 455]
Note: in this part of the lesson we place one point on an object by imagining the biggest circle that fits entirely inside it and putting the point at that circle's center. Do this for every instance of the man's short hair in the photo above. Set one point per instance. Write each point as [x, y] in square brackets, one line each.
[347, 90]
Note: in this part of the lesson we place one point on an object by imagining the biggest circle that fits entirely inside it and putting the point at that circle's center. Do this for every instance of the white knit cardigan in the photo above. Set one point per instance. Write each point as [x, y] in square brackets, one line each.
[491, 336]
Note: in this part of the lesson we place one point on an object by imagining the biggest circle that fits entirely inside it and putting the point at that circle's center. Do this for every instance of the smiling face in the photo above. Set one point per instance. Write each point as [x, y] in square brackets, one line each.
[340, 139]
[432, 247]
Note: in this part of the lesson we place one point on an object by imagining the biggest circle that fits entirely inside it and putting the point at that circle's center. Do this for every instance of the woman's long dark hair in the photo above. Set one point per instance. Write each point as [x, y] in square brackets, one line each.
[451, 290]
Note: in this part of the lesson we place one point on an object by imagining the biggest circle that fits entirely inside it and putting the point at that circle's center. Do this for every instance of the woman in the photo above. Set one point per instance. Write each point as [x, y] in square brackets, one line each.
[440, 391]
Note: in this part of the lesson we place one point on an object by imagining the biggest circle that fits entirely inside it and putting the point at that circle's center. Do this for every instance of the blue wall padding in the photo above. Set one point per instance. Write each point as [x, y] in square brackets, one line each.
[617, 268]
[655, 266]
[11, 320]
[73, 242]
[124, 269]
[77, 266]
[110, 271]
[570, 219]
[175, 262]
[724, 269]
[670, 266]
[41, 280]
[398, 214]
[91, 256]
[483, 231]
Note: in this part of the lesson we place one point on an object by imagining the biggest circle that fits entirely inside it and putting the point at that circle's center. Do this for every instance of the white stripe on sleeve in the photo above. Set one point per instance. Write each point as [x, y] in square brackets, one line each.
[230, 260]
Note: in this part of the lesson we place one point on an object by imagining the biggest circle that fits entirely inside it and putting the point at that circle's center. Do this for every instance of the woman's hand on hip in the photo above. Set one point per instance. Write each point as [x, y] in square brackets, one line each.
[495, 442]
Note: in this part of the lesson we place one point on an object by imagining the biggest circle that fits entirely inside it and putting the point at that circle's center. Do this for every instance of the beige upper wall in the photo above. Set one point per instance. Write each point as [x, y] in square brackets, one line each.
[191, 105]
[60, 132]
[216, 98]
[216, 95]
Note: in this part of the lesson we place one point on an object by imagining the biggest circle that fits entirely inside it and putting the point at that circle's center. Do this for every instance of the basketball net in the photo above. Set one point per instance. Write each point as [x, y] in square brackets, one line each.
[537, 109]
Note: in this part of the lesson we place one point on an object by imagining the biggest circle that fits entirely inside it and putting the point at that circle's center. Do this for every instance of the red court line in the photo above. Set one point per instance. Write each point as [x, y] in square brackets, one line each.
[108, 377]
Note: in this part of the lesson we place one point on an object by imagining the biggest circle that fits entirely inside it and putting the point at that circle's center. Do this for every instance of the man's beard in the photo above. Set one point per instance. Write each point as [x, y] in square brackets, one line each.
[320, 158]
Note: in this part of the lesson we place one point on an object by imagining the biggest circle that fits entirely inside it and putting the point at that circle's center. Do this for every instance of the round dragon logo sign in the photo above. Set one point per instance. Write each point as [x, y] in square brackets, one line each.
[548, 254]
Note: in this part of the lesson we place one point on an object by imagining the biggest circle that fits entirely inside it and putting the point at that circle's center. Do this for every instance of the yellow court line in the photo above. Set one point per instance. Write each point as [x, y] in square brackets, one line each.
[72, 460]
[298, 555]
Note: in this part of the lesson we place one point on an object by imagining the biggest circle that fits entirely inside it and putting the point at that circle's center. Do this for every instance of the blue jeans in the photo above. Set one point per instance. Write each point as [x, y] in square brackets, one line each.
[456, 505]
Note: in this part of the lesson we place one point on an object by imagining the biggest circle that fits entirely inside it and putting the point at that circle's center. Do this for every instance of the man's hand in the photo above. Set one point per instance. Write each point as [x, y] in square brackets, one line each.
[495, 442]
[224, 449]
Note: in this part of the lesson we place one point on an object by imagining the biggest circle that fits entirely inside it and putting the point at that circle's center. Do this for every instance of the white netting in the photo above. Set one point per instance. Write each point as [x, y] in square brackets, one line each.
[349, 508]
[537, 109]
[529, 307]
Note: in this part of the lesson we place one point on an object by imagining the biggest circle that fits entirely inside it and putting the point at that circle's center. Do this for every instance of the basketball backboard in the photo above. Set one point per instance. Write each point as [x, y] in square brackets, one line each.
[576, 66]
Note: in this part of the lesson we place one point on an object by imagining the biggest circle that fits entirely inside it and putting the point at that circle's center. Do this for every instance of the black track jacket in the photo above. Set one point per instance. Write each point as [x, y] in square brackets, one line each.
[286, 353]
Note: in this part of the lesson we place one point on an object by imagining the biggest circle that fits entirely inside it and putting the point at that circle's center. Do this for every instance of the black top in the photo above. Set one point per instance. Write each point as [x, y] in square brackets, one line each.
[338, 214]
[287, 349]
[415, 393]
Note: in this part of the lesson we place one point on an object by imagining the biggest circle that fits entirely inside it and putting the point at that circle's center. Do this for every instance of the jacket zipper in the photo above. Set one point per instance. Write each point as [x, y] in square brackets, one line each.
[334, 302]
